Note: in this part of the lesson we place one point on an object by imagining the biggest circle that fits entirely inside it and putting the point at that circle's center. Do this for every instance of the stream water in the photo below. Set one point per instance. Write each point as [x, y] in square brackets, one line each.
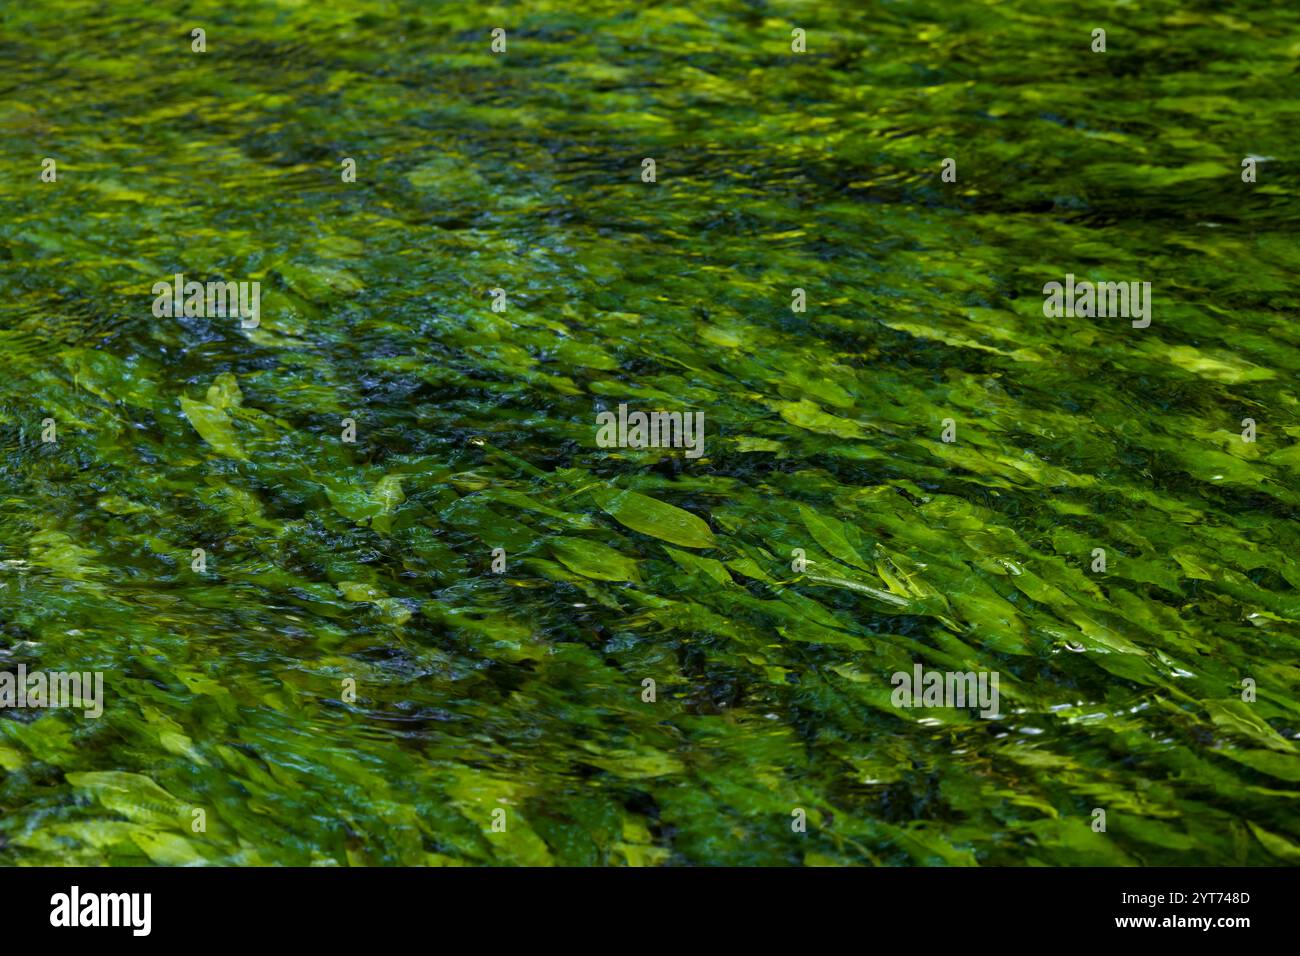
[431, 644]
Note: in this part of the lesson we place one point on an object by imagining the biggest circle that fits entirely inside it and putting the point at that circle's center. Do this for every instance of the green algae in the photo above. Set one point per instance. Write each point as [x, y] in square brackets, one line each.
[348, 681]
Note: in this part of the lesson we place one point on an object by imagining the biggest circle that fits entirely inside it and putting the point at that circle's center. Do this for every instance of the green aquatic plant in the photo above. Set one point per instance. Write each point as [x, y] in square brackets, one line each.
[278, 542]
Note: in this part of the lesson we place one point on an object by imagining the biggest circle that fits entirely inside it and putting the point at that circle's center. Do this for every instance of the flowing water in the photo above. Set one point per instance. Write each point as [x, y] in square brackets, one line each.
[342, 678]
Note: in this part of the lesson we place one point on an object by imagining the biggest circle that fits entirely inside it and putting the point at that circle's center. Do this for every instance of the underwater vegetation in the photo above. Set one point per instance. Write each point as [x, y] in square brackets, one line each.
[364, 587]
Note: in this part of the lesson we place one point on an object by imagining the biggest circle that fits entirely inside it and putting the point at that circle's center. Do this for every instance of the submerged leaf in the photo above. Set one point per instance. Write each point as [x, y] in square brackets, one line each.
[594, 560]
[214, 426]
[656, 518]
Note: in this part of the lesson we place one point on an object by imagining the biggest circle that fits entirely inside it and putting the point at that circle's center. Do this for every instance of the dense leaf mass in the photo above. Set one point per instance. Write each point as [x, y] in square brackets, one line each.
[329, 561]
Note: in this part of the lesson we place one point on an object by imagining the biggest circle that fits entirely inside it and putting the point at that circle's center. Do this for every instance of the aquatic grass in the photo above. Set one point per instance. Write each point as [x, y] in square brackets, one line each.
[476, 691]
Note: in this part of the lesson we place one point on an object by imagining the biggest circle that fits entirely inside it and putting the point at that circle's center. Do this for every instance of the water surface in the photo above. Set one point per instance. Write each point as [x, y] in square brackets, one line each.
[371, 562]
